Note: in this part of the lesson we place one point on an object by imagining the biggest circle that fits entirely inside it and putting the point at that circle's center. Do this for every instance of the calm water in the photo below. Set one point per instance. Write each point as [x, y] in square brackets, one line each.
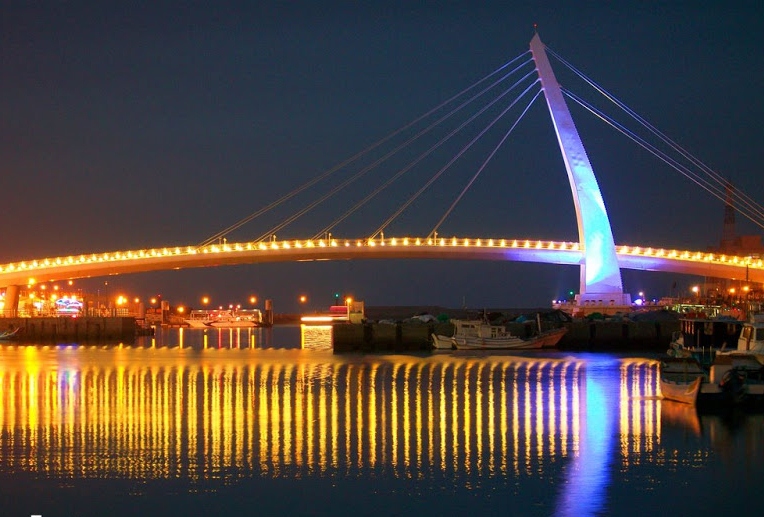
[263, 422]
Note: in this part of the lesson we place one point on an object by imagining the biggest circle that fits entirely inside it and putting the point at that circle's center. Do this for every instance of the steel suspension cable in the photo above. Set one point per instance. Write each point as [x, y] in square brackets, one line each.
[369, 167]
[421, 157]
[434, 231]
[740, 196]
[353, 158]
[451, 162]
[694, 177]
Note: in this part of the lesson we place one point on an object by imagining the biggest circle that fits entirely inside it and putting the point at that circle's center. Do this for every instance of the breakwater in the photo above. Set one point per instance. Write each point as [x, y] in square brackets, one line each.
[62, 330]
[582, 335]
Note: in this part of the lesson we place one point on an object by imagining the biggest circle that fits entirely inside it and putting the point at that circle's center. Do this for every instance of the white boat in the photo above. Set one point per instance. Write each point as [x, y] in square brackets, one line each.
[241, 318]
[441, 342]
[733, 379]
[681, 378]
[479, 335]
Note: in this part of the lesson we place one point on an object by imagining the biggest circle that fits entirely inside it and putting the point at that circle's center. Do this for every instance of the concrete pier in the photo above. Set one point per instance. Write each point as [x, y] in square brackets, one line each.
[62, 330]
[582, 335]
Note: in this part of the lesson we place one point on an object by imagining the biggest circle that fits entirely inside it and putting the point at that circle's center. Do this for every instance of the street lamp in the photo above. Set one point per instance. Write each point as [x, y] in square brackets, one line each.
[348, 302]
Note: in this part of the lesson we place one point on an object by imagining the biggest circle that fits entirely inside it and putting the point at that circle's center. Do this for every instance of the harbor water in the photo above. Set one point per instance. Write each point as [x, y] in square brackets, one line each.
[271, 421]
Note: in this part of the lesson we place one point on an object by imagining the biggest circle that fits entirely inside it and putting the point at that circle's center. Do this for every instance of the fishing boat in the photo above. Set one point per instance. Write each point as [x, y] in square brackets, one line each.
[702, 336]
[480, 335]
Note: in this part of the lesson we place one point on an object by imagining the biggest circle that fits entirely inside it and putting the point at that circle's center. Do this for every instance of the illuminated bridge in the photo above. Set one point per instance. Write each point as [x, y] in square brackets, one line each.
[599, 258]
[521, 250]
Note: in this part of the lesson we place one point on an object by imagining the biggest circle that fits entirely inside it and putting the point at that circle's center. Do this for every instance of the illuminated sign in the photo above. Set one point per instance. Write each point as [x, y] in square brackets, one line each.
[68, 306]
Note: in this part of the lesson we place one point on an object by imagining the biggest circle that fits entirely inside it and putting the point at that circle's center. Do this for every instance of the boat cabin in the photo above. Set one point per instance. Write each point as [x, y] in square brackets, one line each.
[751, 337]
[707, 333]
[478, 328]
[254, 315]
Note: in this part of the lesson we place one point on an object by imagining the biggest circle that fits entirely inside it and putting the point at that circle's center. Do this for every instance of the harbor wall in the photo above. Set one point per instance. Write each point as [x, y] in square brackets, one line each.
[61, 330]
[582, 335]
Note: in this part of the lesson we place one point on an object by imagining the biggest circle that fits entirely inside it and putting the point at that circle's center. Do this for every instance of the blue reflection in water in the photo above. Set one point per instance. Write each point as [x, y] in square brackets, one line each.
[585, 490]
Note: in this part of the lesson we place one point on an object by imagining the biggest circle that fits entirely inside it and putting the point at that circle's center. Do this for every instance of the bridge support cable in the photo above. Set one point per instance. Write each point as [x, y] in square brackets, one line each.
[740, 196]
[434, 231]
[752, 211]
[427, 153]
[451, 162]
[363, 152]
[391, 153]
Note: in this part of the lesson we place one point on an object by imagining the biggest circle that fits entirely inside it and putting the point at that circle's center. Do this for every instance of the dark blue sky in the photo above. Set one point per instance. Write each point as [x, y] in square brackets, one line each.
[162, 123]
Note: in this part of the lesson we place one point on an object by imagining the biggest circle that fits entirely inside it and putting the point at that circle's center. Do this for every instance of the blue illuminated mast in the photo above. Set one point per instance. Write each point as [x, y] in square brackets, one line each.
[600, 275]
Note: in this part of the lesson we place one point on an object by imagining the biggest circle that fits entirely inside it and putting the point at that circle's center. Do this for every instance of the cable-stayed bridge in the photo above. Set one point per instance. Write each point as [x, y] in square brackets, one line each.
[530, 75]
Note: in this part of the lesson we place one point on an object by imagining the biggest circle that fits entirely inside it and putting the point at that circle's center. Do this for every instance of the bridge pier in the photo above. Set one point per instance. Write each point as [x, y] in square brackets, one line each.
[11, 306]
[604, 303]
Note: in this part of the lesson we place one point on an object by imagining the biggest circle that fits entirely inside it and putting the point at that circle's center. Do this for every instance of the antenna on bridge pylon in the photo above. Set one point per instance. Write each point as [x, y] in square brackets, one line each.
[535, 28]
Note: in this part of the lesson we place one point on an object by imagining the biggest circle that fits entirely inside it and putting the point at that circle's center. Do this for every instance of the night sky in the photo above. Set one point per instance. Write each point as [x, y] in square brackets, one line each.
[158, 125]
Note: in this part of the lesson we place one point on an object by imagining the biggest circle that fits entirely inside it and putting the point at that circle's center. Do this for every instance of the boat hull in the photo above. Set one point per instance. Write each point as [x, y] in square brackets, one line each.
[231, 324]
[733, 381]
[685, 392]
[440, 342]
[545, 340]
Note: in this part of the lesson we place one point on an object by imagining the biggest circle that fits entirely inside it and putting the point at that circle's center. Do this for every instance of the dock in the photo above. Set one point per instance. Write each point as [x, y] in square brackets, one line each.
[582, 335]
[74, 330]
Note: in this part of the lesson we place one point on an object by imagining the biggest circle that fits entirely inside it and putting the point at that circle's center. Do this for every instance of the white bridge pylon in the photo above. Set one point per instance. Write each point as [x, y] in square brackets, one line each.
[600, 271]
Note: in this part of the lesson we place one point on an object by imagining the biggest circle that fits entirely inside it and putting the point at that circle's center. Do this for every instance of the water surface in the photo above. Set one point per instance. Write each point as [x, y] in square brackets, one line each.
[246, 422]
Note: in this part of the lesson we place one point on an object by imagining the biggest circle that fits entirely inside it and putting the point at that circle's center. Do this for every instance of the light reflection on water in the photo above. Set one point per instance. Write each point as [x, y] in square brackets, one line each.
[200, 406]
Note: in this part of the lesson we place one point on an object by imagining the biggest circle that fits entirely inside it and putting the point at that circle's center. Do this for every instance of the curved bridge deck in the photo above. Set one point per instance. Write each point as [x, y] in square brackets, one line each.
[522, 250]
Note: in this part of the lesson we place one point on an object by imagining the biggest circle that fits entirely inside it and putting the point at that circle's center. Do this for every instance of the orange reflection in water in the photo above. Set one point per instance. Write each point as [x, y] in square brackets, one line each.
[179, 412]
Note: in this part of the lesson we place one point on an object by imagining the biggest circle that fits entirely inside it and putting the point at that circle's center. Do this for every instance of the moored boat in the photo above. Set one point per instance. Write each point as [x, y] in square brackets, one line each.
[733, 380]
[242, 318]
[479, 335]
[751, 339]
[681, 378]
[701, 336]
[440, 342]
